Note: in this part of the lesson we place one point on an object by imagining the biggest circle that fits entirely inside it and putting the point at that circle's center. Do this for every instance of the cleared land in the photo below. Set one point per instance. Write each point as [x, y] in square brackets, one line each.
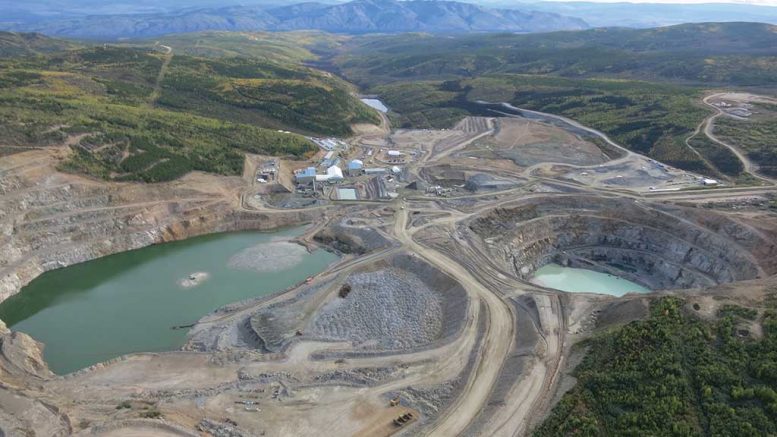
[527, 143]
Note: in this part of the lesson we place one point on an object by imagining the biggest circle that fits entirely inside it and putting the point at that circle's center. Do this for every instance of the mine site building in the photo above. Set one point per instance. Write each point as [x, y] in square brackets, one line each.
[329, 160]
[355, 167]
[334, 174]
[394, 153]
[305, 176]
[346, 194]
[375, 171]
[709, 182]
[325, 143]
[267, 172]
[270, 167]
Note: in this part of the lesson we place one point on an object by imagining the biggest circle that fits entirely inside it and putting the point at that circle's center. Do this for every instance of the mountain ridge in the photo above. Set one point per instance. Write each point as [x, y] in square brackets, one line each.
[355, 17]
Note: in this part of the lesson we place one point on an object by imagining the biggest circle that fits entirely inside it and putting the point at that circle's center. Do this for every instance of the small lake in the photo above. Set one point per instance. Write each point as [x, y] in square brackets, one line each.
[375, 104]
[128, 302]
[584, 281]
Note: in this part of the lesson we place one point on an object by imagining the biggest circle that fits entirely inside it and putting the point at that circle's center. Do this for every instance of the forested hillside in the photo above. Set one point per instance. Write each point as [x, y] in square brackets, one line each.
[676, 374]
[145, 112]
[713, 53]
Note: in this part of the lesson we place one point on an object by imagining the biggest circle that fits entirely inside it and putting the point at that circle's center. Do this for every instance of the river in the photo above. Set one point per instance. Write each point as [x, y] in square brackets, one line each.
[128, 302]
[584, 281]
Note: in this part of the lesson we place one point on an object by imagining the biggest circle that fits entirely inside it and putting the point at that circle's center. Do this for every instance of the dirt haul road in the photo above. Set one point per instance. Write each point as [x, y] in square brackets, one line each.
[709, 128]
[540, 376]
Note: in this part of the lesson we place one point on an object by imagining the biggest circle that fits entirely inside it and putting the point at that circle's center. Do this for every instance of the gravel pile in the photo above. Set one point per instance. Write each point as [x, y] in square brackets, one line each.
[386, 309]
[219, 429]
[351, 239]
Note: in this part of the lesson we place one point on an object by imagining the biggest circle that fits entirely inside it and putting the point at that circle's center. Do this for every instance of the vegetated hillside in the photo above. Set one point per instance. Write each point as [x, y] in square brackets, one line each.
[206, 112]
[756, 136]
[259, 81]
[291, 47]
[712, 53]
[28, 44]
[639, 86]
[676, 374]
[358, 16]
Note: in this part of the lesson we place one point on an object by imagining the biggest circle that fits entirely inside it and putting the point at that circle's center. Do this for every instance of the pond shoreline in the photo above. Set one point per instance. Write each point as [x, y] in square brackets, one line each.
[98, 306]
[579, 280]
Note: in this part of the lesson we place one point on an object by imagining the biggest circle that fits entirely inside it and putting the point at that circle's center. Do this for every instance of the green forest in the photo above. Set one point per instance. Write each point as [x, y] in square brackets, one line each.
[708, 53]
[676, 374]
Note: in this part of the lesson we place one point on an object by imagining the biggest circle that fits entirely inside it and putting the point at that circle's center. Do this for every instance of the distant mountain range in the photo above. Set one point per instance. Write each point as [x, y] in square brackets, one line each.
[359, 16]
[643, 15]
[118, 19]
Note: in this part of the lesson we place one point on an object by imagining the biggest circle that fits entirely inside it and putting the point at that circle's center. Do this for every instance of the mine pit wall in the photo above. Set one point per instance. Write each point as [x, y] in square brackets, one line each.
[662, 259]
[656, 248]
[120, 233]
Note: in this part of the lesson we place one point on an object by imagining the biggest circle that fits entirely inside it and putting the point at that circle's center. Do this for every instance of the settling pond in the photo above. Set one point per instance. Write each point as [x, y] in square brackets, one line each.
[584, 281]
[375, 104]
[128, 302]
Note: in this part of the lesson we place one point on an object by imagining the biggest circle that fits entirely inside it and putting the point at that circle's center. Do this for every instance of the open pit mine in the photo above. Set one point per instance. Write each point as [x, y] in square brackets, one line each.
[428, 322]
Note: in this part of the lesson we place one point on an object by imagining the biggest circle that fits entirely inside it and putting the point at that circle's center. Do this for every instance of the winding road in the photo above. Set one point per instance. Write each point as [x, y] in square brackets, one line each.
[161, 76]
[708, 126]
[497, 340]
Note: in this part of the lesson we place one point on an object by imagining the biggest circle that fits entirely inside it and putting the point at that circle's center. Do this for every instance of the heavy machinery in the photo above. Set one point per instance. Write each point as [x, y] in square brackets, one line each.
[403, 419]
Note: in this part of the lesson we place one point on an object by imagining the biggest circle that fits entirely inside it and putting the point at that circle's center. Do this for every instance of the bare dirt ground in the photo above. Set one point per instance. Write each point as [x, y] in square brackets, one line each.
[283, 366]
[529, 142]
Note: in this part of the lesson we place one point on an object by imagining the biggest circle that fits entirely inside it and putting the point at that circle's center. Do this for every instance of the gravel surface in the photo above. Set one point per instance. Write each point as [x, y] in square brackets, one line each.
[410, 314]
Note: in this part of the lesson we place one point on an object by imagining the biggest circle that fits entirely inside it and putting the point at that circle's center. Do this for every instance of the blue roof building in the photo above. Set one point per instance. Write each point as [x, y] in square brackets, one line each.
[306, 175]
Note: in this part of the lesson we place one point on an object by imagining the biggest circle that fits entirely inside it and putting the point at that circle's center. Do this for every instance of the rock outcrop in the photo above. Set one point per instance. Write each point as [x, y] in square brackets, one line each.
[20, 355]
